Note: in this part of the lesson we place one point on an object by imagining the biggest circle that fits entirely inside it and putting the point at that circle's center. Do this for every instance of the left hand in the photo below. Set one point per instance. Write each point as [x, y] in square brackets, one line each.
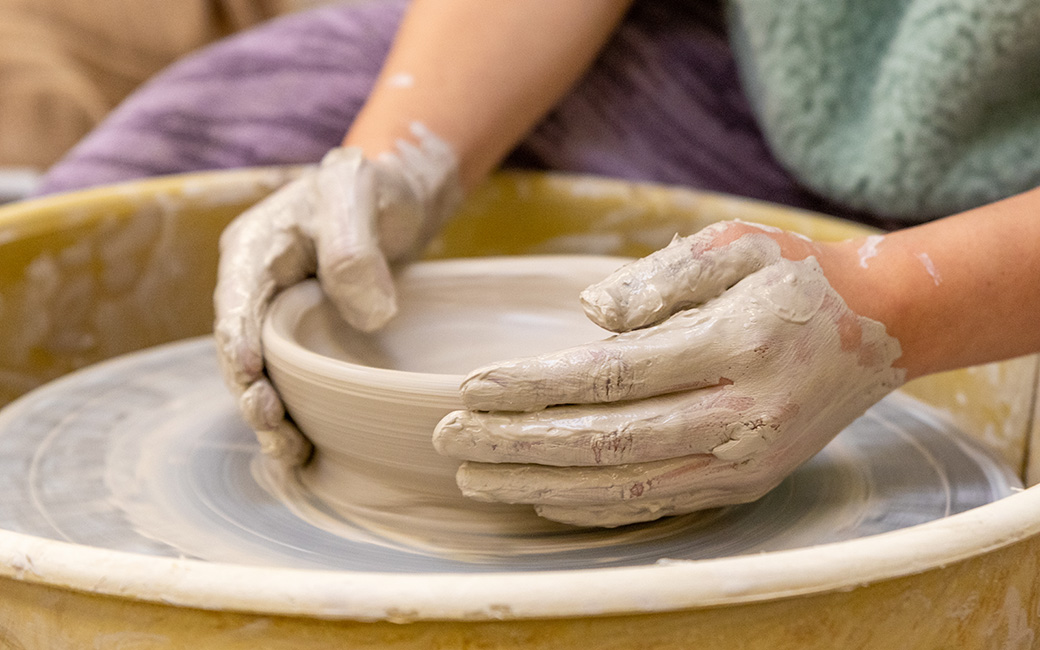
[737, 361]
[345, 221]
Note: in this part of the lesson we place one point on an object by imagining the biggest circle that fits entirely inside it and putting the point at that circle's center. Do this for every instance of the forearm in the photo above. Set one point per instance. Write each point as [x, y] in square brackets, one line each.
[955, 292]
[481, 74]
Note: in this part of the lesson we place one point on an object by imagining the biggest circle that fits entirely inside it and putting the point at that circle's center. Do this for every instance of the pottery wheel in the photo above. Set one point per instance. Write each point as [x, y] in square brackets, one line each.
[146, 454]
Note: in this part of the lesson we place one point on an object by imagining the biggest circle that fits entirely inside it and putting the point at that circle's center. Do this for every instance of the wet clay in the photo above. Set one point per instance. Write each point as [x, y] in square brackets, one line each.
[370, 401]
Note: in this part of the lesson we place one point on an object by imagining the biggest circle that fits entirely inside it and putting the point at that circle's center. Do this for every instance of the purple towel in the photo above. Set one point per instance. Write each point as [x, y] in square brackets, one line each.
[662, 103]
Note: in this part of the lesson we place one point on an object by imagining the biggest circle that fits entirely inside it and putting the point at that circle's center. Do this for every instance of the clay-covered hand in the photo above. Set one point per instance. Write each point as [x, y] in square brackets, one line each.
[345, 220]
[734, 365]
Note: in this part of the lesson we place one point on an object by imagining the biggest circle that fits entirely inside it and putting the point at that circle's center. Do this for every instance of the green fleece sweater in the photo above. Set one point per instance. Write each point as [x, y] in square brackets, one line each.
[907, 108]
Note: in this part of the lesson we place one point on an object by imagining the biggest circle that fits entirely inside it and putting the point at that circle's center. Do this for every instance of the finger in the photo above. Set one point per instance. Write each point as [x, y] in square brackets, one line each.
[694, 349]
[687, 272]
[400, 223]
[262, 251]
[719, 343]
[353, 272]
[285, 444]
[260, 406]
[621, 494]
[669, 426]
[264, 412]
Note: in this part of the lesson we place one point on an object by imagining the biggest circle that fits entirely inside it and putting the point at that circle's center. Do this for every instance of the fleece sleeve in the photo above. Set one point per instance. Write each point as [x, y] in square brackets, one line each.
[907, 108]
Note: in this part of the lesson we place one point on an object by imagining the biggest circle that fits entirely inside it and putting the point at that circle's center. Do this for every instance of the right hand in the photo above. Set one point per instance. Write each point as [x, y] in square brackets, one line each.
[735, 361]
[344, 221]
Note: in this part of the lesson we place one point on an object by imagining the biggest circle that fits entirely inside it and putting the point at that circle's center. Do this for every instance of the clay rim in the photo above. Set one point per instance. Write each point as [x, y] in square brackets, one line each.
[666, 586]
[291, 305]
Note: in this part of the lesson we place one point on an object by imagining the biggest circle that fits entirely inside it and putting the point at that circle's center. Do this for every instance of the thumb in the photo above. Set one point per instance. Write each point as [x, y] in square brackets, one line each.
[686, 273]
[353, 271]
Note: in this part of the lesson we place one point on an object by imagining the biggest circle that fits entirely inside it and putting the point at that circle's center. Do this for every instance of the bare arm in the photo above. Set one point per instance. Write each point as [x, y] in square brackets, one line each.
[481, 74]
[954, 292]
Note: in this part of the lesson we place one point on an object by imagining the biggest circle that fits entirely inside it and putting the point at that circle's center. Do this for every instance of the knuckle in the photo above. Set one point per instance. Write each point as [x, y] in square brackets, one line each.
[750, 440]
[611, 448]
[609, 375]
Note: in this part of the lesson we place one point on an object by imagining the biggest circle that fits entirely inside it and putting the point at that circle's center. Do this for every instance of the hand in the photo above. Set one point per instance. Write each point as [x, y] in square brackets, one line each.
[736, 363]
[345, 221]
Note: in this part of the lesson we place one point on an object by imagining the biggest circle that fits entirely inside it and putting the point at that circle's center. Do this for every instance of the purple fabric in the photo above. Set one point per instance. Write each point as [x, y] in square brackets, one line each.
[662, 104]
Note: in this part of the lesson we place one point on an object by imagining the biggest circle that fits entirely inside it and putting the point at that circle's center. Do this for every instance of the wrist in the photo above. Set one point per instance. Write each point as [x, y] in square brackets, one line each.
[878, 280]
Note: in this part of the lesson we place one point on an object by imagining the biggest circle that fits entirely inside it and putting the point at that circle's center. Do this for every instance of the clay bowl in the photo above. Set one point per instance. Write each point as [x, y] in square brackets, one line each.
[369, 402]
